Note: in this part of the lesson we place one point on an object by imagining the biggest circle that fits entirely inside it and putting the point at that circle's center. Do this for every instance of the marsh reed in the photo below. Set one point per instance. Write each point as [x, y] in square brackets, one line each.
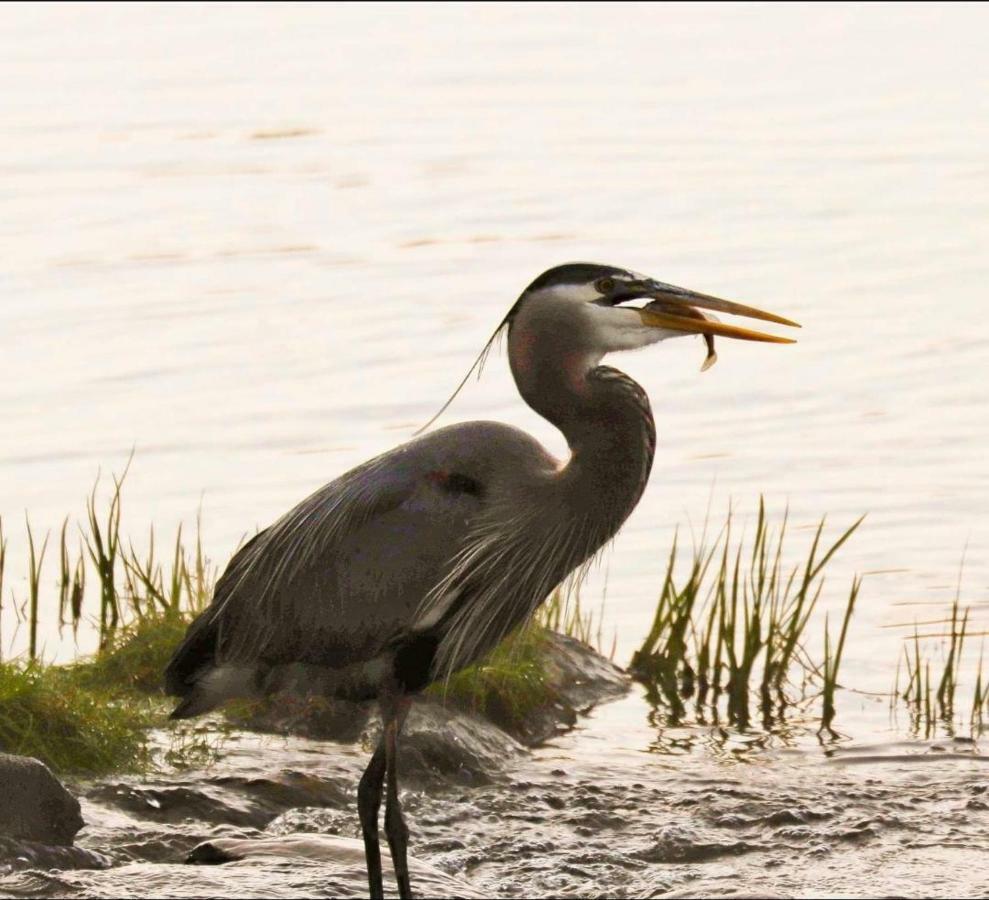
[932, 665]
[133, 585]
[727, 635]
[93, 715]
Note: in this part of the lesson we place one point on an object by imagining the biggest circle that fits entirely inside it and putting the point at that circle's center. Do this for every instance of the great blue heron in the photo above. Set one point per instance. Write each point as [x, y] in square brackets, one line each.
[418, 562]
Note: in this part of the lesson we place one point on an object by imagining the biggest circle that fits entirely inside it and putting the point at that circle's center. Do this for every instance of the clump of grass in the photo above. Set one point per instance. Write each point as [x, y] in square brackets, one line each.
[508, 684]
[92, 716]
[71, 582]
[103, 545]
[514, 679]
[46, 713]
[139, 592]
[931, 699]
[948, 683]
[734, 625]
[136, 657]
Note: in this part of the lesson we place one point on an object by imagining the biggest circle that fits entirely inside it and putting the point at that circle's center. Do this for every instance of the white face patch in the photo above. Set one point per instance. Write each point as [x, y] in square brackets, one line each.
[616, 328]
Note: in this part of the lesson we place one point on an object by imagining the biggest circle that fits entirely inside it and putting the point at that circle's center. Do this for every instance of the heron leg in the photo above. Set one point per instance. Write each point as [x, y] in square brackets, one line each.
[368, 804]
[395, 828]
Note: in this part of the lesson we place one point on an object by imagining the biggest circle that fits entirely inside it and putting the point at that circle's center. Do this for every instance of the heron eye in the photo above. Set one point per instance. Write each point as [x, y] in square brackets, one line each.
[605, 285]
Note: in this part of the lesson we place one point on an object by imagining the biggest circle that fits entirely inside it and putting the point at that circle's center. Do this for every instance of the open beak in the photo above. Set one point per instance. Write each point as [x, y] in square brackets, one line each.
[678, 309]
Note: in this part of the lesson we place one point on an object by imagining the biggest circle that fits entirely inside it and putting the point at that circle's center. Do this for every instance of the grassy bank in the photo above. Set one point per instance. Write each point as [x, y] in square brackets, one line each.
[48, 712]
[728, 644]
[93, 715]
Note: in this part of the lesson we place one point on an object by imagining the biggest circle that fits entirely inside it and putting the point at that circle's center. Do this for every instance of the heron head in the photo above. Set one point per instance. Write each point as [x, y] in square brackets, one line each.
[574, 314]
[597, 309]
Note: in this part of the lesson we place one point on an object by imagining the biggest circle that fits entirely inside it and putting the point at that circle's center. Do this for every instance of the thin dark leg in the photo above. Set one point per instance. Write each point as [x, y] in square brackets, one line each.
[368, 804]
[395, 827]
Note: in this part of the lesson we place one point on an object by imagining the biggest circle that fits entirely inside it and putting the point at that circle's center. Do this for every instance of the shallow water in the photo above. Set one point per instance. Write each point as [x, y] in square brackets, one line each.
[259, 246]
[228, 250]
[593, 814]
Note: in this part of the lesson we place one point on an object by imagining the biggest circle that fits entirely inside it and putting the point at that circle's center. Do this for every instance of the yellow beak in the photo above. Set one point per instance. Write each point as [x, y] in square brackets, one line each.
[677, 309]
[698, 324]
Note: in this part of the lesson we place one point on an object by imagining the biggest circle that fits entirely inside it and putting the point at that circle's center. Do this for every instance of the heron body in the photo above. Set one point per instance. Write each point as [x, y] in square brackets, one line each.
[418, 562]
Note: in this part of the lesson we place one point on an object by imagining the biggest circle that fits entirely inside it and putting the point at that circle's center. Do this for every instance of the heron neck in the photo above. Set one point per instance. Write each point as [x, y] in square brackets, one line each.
[564, 517]
[613, 442]
[608, 423]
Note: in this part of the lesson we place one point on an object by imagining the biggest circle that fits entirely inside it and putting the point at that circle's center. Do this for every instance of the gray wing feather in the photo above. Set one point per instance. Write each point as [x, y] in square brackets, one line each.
[343, 574]
[319, 586]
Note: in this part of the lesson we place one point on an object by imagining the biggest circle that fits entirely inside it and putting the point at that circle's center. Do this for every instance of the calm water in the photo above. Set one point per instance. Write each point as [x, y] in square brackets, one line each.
[259, 245]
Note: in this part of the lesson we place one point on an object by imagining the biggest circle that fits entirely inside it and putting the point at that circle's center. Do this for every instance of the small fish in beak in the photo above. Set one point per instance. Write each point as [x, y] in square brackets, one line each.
[711, 357]
[691, 313]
